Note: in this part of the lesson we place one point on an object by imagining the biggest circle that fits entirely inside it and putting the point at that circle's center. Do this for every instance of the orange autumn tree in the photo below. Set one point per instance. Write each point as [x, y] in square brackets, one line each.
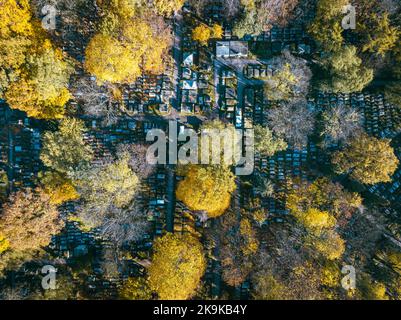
[207, 188]
[28, 221]
[177, 266]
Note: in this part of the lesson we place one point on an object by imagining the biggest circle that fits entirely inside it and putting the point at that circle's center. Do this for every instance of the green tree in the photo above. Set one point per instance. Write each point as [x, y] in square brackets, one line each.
[326, 27]
[369, 289]
[266, 143]
[65, 149]
[382, 37]
[345, 71]
[103, 188]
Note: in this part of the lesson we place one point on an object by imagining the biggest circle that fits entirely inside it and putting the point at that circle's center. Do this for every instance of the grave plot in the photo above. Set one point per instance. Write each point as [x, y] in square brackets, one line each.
[196, 89]
[281, 168]
[24, 150]
[227, 94]
[253, 105]
[4, 145]
[214, 11]
[149, 94]
[185, 222]
[257, 71]
[292, 38]
[381, 119]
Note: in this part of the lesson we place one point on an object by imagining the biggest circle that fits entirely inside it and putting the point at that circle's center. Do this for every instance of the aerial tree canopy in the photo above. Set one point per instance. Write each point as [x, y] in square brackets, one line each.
[58, 186]
[320, 207]
[29, 220]
[289, 79]
[325, 196]
[260, 15]
[104, 187]
[326, 28]
[381, 35]
[266, 142]
[64, 150]
[367, 160]
[267, 287]
[339, 124]
[329, 244]
[131, 40]
[34, 75]
[293, 121]
[204, 33]
[167, 7]
[345, 71]
[178, 264]
[4, 244]
[109, 60]
[238, 246]
[135, 289]
[207, 188]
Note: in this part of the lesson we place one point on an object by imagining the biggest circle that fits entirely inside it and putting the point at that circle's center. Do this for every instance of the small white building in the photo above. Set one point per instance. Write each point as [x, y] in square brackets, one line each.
[232, 49]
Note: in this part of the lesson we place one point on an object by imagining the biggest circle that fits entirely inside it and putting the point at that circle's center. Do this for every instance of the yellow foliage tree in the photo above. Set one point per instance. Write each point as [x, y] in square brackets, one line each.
[41, 90]
[383, 36]
[371, 290]
[330, 245]
[217, 31]
[177, 267]
[65, 150]
[135, 289]
[167, 7]
[131, 40]
[34, 75]
[326, 27]
[323, 195]
[316, 220]
[15, 31]
[58, 187]
[280, 85]
[201, 33]
[331, 275]
[4, 244]
[111, 61]
[29, 220]
[367, 159]
[207, 189]
[251, 243]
